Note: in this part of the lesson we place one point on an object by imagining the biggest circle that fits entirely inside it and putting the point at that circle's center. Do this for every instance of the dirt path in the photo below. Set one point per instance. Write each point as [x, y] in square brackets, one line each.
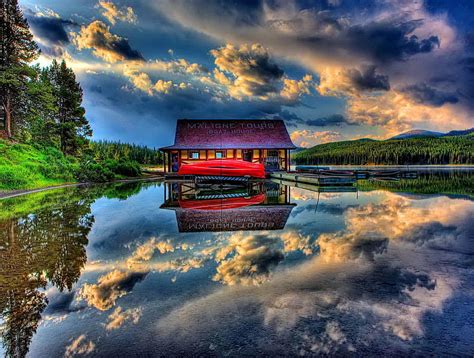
[13, 193]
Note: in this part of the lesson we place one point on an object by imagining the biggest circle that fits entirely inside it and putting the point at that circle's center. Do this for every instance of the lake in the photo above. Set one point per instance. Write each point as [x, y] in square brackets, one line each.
[143, 269]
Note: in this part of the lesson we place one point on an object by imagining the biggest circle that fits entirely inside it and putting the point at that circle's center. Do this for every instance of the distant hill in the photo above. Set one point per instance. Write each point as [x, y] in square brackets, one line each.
[460, 132]
[443, 149]
[424, 133]
[417, 133]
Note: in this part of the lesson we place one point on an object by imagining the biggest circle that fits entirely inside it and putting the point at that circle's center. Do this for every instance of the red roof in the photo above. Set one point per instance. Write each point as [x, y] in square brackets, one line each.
[231, 134]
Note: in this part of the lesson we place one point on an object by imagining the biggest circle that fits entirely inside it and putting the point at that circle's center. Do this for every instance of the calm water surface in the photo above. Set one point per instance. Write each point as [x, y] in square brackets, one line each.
[148, 269]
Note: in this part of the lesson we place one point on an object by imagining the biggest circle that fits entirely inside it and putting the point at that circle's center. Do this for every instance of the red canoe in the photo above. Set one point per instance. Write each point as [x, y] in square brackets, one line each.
[223, 167]
[222, 204]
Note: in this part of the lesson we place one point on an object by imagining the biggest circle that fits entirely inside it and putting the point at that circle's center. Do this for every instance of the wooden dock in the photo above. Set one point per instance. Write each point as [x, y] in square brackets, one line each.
[318, 188]
[313, 179]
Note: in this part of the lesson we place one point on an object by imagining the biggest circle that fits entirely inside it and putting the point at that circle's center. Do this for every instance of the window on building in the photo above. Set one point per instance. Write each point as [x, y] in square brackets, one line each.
[194, 155]
[220, 154]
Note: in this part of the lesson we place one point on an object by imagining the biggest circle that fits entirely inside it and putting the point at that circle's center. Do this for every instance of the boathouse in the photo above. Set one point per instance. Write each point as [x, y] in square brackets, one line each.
[254, 140]
[238, 209]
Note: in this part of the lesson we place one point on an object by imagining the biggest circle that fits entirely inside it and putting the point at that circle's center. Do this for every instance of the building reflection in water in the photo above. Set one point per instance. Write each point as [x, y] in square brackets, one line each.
[256, 206]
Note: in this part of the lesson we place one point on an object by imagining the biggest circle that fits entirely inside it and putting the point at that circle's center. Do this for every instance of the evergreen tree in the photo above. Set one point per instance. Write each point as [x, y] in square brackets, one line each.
[17, 49]
[41, 111]
[72, 126]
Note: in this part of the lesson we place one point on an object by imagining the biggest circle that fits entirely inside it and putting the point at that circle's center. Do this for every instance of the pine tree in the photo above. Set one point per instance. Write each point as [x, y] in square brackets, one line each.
[41, 111]
[17, 49]
[73, 127]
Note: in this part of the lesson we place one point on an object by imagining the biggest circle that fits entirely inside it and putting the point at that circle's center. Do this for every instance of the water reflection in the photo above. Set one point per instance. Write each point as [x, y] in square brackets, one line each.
[256, 206]
[45, 246]
[146, 269]
[37, 248]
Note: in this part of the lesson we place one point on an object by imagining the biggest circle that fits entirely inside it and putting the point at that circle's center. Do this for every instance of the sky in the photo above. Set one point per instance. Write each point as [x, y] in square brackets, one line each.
[332, 69]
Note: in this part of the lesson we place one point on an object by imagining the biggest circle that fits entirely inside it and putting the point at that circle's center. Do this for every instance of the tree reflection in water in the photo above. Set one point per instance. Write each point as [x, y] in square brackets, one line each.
[47, 246]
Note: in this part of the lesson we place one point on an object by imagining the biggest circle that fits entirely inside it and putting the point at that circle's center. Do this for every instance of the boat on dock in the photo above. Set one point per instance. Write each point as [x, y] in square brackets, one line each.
[337, 173]
[384, 173]
[223, 168]
[310, 168]
[222, 203]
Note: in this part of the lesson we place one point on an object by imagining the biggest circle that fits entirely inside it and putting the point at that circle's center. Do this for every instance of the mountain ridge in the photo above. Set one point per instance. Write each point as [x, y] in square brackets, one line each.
[444, 149]
[426, 133]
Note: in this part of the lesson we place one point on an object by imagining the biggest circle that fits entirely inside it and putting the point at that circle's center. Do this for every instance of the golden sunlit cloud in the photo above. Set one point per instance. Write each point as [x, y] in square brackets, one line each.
[251, 70]
[395, 111]
[293, 89]
[109, 288]
[104, 44]
[308, 138]
[119, 317]
[113, 13]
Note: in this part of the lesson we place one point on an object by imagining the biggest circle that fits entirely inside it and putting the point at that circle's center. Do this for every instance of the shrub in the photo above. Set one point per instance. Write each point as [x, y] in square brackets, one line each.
[128, 168]
[14, 177]
[93, 171]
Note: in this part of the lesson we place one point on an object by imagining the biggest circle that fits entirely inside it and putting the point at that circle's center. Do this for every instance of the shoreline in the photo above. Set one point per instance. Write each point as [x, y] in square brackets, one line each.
[415, 166]
[15, 193]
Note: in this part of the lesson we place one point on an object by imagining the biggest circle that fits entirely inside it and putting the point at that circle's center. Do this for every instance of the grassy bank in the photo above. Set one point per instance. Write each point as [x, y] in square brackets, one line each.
[23, 166]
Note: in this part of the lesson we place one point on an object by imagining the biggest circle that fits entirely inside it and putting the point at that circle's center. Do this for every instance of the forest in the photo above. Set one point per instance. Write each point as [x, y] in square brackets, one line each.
[412, 151]
[45, 136]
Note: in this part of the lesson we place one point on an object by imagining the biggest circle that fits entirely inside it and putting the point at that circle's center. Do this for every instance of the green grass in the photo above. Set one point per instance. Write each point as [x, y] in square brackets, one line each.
[24, 166]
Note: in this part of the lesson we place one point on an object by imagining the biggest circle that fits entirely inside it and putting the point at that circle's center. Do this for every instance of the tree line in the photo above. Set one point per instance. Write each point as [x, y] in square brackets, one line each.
[104, 149]
[444, 150]
[43, 106]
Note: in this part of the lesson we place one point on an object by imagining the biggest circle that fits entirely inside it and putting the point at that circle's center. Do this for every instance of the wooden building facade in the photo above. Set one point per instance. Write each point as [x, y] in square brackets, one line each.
[263, 141]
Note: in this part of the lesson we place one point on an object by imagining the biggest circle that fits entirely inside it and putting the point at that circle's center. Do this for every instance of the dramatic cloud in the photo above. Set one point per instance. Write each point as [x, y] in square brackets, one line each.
[293, 89]
[396, 111]
[50, 31]
[425, 94]
[308, 138]
[119, 317]
[251, 70]
[111, 48]
[113, 13]
[388, 49]
[332, 120]
[388, 41]
[393, 65]
[316, 33]
[251, 264]
[109, 288]
[394, 244]
[343, 82]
